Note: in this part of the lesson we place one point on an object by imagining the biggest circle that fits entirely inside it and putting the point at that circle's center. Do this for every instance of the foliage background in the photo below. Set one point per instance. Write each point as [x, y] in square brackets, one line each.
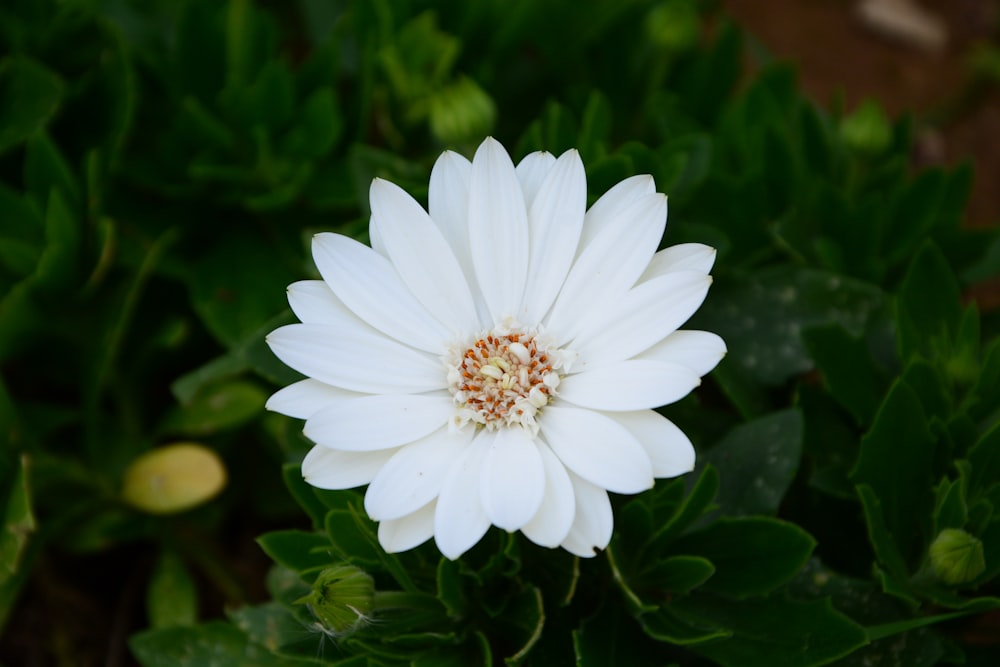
[163, 165]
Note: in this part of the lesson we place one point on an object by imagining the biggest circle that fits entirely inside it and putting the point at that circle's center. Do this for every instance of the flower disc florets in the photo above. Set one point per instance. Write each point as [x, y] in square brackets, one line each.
[504, 377]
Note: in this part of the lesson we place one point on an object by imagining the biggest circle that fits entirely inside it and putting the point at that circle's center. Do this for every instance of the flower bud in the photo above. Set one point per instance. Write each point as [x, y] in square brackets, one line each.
[674, 26]
[867, 130]
[957, 557]
[173, 478]
[342, 599]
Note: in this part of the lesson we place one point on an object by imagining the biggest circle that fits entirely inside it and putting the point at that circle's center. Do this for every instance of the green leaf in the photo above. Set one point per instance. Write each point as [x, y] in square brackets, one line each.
[695, 505]
[612, 637]
[215, 644]
[678, 575]
[773, 631]
[297, 550]
[218, 407]
[761, 316]
[318, 129]
[171, 598]
[899, 481]
[665, 626]
[277, 629]
[45, 168]
[239, 285]
[757, 462]
[752, 556]
[30, 94]
[847, 368]
[984, 458]
[928, 309]
[304, 494]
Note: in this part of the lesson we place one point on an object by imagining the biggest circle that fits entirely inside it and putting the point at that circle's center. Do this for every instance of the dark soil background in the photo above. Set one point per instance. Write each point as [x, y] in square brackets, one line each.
[957, 113]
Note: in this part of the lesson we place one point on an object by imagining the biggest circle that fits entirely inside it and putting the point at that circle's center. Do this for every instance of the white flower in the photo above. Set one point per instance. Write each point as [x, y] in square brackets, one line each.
[496, 361]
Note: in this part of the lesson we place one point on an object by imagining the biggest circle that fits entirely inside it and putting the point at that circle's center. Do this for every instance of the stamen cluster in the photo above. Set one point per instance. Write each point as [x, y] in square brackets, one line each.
[504, 378]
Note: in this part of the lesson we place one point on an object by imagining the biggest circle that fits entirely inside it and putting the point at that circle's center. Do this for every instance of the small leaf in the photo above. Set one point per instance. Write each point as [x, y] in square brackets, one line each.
[219, 407]
[30, 94]
[928, 307]
[171, 598]
[847, 368]
[679, 574]
[773, 631]
[298, 550]
[752, 556]
[757, 462]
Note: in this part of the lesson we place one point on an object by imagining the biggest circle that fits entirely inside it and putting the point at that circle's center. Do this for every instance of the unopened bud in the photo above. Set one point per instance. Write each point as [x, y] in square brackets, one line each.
[342, 599]
[173, 478]
[957, 557]
[867, 130]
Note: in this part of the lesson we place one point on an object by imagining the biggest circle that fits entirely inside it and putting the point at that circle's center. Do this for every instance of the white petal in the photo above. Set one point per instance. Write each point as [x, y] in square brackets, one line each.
[313, 302]
[379, 422]
[633, 384]
[327, 468]
[554, 221]
[700, 351]
[644, 316]
[460, 520]
[414, 475]
[356, 358]
[367, 283]
[498, 230]
[305, 398]
[611, 203]
[594, 522]
[448, 204]
[597, 448]
[609, 266]
[422, 257]
[513, 479]
[531, 171]
[409, 531]
[551, 524]
[681, 257]
[375, 238]
[668, 448]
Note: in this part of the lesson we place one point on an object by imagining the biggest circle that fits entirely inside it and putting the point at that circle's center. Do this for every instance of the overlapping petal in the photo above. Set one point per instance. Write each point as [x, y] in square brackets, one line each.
[409, 531]
[498, 230]
[669, 450]
[305, 398]
[700, 351]
[551, 524]
[327, 468]
[633, 384]
[459, 517]
[593, 521]
[512, 479]
[381, 421]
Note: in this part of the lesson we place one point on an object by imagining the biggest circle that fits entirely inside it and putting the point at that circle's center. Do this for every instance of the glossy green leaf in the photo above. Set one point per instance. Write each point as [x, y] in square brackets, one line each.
[218, 407]
[773, 631]
[770, 553]
[298, 550]
[757, 462]
[215, 644]
[899, 481]
[761, 316]
[678, 575]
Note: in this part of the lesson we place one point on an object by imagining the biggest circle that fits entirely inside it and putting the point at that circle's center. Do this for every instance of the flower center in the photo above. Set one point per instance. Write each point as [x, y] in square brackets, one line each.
[505, 377]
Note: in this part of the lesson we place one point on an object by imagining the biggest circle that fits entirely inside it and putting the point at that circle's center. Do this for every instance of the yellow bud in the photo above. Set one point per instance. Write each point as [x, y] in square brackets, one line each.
[173, 478]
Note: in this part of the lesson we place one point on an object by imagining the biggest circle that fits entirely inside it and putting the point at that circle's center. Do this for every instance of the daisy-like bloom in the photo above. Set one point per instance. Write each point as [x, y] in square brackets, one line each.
[496, 360]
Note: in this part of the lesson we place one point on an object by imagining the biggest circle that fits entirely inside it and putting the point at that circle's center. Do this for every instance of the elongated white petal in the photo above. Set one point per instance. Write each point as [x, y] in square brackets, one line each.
[681, 257]
[609, 266]
[327, 468]
[408, 531]
[422, 257]
[611, 203]
[448, 204]
[367, 283]
[598, 449]
[531, 172]
[551, 524]
[670, 451]
[633, 384]
[554, 221]
[593, 523]
[379, 422]
[459, 519]
[513, 479]
[498, 230]
[313, 302]
[305, 398]
[375, 238]
[644, 316]
[414, 475]
[700, 351]
[356, 358]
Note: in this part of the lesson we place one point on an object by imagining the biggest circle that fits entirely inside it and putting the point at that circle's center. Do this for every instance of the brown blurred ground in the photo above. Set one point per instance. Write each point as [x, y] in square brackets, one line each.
[837, 54]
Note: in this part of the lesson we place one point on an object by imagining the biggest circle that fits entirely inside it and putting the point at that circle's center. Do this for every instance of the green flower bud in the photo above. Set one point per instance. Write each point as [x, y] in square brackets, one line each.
[957, 557]
[173, 478]
[867, 130]
[342, 599]
[462, 111]
[674, 25]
